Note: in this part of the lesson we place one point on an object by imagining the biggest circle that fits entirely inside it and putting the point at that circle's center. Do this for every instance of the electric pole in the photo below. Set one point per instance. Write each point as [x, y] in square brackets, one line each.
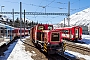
[68, 13]
[24, 24]
[13, 17]
[20, 19]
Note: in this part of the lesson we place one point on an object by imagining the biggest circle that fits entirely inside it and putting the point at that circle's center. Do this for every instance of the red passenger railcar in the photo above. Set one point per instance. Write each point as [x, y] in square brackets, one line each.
[47, 40]
[17, 32]
[71, 33]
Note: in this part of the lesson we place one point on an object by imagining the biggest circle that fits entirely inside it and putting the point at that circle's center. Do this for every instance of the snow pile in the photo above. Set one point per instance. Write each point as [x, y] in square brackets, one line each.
[19, 52]
[85, 36]
[86, 40]
[79, 55]
[79, 18]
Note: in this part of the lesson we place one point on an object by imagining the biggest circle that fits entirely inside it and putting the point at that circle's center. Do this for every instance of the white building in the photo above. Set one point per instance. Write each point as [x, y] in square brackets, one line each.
[85, 29]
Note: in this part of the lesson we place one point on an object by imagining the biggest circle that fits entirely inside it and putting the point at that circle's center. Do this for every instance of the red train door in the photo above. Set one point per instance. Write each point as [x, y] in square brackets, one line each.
[70, 31]
[77, 32]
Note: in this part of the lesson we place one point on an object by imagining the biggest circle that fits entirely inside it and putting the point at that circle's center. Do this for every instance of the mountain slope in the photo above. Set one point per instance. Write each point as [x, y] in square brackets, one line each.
[80, 18]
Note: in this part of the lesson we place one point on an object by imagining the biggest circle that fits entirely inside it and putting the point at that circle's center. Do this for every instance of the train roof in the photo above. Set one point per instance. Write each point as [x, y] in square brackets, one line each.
[50, 31]
[67, 27]
[21, 28]
[6, 26]
[9, 27]
[45, 24]
[2, 25]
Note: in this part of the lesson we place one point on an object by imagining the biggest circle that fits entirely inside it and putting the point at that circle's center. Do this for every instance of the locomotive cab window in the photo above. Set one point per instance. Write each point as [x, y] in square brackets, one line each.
[40, 27]
[50, 27]
[55, 37]
[65, 31]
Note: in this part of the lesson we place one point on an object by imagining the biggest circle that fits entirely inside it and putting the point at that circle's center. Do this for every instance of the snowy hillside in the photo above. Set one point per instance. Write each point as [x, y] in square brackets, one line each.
[80, 18]
[4, 17]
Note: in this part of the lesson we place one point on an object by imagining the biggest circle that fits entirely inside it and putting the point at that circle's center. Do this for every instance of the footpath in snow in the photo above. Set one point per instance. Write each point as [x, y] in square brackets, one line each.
[19, 52]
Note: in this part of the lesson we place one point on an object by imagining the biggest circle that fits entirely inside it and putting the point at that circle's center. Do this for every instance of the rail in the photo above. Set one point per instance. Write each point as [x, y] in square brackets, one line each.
[77, 48]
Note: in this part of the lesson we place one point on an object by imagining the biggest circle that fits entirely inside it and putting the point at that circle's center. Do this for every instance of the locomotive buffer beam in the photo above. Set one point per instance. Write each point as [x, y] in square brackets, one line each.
[36, 13]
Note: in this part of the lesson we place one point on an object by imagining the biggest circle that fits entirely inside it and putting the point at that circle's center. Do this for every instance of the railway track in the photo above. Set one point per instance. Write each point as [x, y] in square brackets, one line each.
[56, 57]
[77, 48]
[53, 56]
[61, 57]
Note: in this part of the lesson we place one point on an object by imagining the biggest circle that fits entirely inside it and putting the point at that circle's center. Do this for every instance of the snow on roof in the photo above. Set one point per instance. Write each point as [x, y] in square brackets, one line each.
[8, 27]
[21, 28]
[2, 25]
[66, 27]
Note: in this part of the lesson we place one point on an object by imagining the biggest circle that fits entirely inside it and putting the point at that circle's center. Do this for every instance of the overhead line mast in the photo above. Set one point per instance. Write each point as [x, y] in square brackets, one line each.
[40, 13]
[20, 19]
[68, 13]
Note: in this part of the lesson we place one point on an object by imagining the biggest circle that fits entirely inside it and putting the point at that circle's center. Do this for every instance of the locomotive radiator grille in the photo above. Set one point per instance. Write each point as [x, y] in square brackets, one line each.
[55, 36]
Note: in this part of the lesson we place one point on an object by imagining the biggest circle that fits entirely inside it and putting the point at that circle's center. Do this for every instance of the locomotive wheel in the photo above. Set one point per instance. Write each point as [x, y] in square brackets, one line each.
[63, 48]
[76, 40]
[36, 44]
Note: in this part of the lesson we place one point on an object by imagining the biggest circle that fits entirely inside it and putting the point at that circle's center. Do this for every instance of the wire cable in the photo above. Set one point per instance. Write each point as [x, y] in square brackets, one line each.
[45, 7]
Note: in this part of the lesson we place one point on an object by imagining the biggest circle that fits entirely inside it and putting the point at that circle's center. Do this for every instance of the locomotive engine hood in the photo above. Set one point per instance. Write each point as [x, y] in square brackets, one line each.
[53, 36]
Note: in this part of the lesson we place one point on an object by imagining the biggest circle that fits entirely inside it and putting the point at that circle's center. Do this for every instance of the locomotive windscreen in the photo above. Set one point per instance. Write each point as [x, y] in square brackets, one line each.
[50, 27]
[40, 27]
[55, 37]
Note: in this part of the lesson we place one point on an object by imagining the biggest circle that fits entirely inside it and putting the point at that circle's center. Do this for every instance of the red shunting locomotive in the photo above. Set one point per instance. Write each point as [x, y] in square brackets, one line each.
[47, 39]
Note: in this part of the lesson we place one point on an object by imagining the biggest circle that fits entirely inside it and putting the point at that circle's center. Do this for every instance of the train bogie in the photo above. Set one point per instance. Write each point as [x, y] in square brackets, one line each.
[57, 48]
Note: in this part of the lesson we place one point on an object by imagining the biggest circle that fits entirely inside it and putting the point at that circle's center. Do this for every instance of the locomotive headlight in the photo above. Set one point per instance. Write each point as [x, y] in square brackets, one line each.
[48, 43]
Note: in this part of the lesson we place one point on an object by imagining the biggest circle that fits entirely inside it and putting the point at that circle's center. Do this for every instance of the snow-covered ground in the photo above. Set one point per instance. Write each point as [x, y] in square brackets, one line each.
[86, 39]
[19, 52]
[78, 55]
